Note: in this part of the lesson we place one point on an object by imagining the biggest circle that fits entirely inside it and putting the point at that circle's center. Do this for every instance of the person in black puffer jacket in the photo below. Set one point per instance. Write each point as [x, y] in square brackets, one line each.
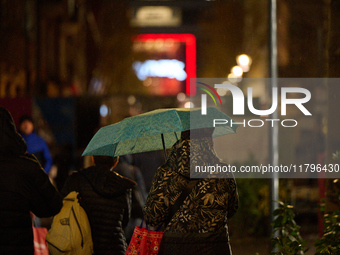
[24, 187]
[106, 198]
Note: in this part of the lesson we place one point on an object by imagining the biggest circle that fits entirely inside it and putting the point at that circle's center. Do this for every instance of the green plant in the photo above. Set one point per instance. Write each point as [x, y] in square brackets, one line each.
[329, 243]
[336, 155]
[286, 238]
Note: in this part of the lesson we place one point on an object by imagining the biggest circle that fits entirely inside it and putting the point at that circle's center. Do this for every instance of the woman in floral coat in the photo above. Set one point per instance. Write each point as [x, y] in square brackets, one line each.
[199, 226]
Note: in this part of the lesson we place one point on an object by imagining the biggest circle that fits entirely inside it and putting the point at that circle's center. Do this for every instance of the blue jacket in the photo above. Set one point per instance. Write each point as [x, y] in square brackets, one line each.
[37, 146]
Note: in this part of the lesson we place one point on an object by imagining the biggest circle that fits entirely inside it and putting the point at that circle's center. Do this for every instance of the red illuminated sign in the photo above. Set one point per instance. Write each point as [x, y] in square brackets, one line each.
[188, 40]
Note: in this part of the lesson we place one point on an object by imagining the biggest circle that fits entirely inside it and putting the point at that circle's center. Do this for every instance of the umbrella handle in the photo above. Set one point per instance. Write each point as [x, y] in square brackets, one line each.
[163, 146]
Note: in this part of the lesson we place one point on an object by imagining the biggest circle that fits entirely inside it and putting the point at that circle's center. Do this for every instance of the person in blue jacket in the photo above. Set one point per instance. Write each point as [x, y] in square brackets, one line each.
[35, 144]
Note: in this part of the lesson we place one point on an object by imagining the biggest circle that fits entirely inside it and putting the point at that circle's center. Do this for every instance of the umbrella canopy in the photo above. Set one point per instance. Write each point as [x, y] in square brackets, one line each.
[148, 131]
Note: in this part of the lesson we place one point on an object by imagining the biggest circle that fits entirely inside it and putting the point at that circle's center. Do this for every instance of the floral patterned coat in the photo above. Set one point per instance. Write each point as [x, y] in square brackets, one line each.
[211, 201]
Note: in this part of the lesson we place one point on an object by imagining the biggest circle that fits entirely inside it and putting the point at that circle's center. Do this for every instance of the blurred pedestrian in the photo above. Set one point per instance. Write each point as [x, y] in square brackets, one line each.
[198, 223]
[24, 187]
[148, 162]
[106, 198]
[35, 144]
[63, 162]
[132, 172]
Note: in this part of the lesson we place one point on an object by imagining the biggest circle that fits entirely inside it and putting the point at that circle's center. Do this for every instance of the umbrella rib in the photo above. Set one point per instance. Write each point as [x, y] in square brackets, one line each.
[176, 136]
[115, 150]
[163, 146]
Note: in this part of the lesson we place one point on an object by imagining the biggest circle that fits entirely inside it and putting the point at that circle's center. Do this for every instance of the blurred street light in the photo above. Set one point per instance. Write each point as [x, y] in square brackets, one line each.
[233, 78]
[221, 91]
[237, 71]
[181, 96]
[131, 100]
[244, 61]
[104, 110]
[188, 105]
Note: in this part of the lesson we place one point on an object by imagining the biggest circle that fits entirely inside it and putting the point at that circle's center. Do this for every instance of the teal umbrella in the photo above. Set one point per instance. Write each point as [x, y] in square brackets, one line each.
[154, 130]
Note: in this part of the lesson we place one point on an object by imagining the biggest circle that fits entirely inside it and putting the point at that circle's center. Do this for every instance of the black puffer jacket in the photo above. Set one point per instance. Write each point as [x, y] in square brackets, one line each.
[106, 198]
[24, 187]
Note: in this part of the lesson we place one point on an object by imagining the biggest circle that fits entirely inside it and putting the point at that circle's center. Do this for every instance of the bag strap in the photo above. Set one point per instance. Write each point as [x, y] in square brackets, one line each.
[147, 226]
[179, 201]
[79, 184]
